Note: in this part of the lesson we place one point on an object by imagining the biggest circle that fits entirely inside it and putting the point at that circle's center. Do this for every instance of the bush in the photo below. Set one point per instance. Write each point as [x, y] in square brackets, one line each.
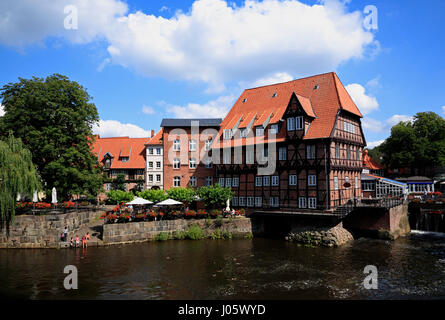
[153, 195]
[179, 235]
[186, 195]
[119, 196]
[163, 236]
[226, 234]
[215, 195]
[194, 232]
[218, 222]
[216, 234]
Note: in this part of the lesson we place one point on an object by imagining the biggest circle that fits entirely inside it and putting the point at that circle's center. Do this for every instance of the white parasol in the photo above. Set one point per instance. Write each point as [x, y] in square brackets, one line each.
[54, 195]
[139, 201]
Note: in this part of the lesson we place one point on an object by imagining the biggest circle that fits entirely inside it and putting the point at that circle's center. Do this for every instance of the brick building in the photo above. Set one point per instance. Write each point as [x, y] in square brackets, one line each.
[184, 143]
[122, 155]
[296, 144]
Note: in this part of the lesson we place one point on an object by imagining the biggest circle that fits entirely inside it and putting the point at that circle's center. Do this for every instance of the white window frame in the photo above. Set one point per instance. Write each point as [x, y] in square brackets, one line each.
[176, 163]
[250, 201]
[274, 201]
[227, 134]
[208, 143]
[235, 182]
[221, 181]
[158, 165]
[150, 178]
[356, 182]
[273, 128]
[228, 182]
[311, 180]
[310, 151]
[258, 181]
[275, 181]
[235, 201]
[302, 203]
[299, 123]
[312, 203]
[293, 180]
[192, 145]
[176, 145]
[158, 151]
[150, 165]
[158, 178]
[266, 181]
[209, 181]
[282, 153]
[241, 201]
[176, 181]
[192, 163]
[258, 201]
[335, 183]
[192, 181]
[259, 131]
[290, 124]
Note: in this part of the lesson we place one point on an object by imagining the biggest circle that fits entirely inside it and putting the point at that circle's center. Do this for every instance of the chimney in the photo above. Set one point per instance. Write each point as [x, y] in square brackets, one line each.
[152, 133]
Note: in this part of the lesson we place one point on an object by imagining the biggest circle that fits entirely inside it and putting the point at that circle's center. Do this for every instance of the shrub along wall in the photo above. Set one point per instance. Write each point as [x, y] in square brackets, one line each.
[239, 227]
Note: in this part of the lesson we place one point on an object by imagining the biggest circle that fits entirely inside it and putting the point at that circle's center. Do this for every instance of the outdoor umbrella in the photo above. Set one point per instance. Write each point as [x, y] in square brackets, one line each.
[54, 195]
[228, 205]
[139, 201]
[34, 197]
[169, 202]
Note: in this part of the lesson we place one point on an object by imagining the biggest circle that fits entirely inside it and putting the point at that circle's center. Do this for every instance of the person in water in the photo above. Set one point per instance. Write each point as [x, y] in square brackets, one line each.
[84, 241]
[71, 242]
[77, 241]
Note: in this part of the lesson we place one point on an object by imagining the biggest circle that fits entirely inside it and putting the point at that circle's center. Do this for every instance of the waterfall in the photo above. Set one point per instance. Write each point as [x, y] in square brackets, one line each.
[427, 220]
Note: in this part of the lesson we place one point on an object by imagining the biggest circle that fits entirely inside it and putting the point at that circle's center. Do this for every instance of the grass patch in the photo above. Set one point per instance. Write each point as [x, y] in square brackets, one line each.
[163, 236]
[194, 232]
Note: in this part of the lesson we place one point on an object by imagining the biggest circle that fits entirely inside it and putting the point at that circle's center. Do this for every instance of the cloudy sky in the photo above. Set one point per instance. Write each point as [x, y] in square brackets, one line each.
[146, 60]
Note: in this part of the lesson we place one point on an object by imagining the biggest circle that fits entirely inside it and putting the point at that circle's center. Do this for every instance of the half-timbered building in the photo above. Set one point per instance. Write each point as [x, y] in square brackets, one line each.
[297, 144]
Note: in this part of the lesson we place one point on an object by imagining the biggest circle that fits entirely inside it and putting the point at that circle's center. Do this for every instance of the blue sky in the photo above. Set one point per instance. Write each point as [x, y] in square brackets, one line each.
[142, 61]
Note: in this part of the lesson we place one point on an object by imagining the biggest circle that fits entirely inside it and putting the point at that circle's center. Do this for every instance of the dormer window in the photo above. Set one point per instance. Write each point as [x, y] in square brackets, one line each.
[108, 163]
[124, 159]
[274, 128]
[244, 100]
[274, 95]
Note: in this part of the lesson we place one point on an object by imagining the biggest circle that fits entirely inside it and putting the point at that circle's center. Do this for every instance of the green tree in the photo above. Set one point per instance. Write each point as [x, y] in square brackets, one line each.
[153, 195]
[119, 182]
[215, 195]
[17, 174]
[139, 185]
[419, 144]
[54, 119]
[118, 196]
[186, 195]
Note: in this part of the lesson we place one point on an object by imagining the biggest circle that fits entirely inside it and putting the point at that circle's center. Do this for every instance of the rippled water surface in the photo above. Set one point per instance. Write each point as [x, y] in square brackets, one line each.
[410, 267]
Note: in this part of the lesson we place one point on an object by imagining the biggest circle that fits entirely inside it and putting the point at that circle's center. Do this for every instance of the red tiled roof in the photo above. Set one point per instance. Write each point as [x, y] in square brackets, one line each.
[321, 97]
[134, 148]
[157, 139]
[370, 163]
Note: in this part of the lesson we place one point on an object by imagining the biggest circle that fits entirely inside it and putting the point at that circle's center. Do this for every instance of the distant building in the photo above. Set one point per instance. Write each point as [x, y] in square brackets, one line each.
[154, 164]
[183, 141]
[372, 166]
[374, 186]
[418, 184]
[122, 155]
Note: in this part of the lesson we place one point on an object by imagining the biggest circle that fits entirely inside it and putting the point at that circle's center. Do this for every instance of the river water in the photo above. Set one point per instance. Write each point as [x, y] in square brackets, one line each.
[410, 267]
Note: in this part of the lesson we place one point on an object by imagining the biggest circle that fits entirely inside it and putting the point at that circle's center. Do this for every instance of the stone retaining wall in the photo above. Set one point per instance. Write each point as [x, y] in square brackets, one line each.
[239, 227]
[29, 231]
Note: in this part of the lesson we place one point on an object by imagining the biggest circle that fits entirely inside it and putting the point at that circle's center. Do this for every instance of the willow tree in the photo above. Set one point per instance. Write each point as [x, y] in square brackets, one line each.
[17, 174]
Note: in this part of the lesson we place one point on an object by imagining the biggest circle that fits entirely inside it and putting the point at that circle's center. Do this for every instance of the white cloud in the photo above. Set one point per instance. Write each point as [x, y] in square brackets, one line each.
[148, 110]
[364, 102]
[374, 125]
[113, 128]
[29, 21]
[213, 42]
[164, 8]
[213, 109]
[2, 110]
[374, 144]
[443, 110]
[277, 77]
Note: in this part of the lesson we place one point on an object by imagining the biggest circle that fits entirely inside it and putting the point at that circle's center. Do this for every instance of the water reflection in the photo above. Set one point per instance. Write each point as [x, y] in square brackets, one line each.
[411, 267]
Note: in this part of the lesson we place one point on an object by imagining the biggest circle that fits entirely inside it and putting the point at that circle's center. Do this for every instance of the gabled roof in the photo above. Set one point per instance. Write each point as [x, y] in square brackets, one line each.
[157, 139]
[213, 122]
[370, 163]
[321, 96]
[134, 148]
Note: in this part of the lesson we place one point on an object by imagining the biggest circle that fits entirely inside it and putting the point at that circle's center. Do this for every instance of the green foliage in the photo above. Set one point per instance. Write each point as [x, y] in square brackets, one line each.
[216, 234]
[248, 236]
[218, 221]
[54, 118]
[194, 232]
[163, 236]
[226, 234]
[139, 185]
[17, 174]
[119, 182]
[153, 195]
[119, 196]
[179, 235]
[215, 195]
[185, 195]
[418, 144]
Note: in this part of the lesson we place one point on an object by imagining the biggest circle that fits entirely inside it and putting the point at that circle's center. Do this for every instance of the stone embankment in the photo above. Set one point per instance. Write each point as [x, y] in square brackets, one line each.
[239, 227]
[33, 231]
[320, 236]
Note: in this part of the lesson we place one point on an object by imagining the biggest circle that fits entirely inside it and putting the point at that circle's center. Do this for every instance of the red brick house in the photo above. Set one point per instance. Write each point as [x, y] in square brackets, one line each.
[122, 155]
[310, 132]
[184, 142]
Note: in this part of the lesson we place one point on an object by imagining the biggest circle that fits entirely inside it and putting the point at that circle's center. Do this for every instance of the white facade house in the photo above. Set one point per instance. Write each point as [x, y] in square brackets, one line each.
[154, 166]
